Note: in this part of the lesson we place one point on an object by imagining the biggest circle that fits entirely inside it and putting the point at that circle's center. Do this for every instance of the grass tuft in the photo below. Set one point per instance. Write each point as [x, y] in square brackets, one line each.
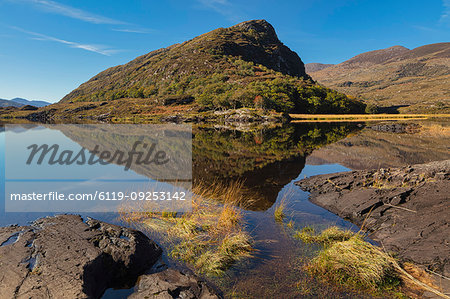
[279, 212]
[347, 260]
[355, 263]
[328, 236]
[211, 237]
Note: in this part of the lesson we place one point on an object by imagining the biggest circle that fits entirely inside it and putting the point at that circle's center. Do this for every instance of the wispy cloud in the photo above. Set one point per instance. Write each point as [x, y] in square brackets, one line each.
[445, 16]
[100, 49]
[424, 28]
[69, 11]
[143, 31]
[223, 7]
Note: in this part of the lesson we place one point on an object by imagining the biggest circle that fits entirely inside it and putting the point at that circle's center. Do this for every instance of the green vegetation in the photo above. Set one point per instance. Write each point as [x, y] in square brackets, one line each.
[238, 87]
[282, 94]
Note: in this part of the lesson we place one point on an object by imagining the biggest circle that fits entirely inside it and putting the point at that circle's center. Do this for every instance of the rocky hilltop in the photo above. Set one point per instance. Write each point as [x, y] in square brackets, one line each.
[414, 80]
[215, 51]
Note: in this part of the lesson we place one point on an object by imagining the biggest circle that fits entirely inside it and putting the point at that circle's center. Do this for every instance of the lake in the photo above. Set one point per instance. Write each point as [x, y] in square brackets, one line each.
[268, 161]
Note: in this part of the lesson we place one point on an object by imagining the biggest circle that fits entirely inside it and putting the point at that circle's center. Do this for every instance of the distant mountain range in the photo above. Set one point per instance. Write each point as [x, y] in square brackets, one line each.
[416, 80]
[19, 102]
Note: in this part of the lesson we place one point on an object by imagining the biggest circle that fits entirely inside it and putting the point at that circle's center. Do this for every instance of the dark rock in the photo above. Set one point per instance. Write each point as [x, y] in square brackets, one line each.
[181, 100]
[406, 209]
[396, 128]
[41, 116]
[172, 283]
[64, 257]
[84, 108]
[268, 51]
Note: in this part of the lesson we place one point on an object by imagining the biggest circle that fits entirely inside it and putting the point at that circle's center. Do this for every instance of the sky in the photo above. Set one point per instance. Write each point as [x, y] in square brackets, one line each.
[50, 47]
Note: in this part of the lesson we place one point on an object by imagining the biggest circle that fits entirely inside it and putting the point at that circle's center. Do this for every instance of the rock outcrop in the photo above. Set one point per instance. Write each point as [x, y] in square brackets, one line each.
[406, 209]
[172, 283]
[66, 257]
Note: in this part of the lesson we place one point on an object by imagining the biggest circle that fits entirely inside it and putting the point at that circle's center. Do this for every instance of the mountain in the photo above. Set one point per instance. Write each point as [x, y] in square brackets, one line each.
[209, 54]
[31, 103]
[8, 103]
[245, 65]
[416, 80]
[19, 102]
[314, 67]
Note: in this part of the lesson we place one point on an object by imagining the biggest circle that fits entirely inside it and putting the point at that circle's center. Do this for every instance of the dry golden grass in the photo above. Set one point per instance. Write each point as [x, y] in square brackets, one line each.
[279, 212]
[212, 236]
[346, 259]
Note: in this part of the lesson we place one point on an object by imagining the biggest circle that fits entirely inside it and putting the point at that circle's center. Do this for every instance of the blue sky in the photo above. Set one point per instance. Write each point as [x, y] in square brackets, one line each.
[50, 47]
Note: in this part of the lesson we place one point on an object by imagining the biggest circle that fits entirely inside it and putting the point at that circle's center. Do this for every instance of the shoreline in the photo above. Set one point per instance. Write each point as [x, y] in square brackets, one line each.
[403, 209]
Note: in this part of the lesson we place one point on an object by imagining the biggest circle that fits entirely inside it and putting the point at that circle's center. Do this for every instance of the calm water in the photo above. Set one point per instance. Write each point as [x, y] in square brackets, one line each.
[269, 161]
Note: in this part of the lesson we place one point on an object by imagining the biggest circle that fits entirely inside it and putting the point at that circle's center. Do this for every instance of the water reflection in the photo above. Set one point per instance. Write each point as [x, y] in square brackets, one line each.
[264, 159]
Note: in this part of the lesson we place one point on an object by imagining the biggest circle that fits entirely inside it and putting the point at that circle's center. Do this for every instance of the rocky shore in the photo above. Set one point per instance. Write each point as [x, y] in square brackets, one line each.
[69, 257]
[405, 209]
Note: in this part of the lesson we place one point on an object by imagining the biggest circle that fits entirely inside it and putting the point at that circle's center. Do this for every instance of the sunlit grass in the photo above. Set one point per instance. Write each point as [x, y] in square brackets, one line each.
[279, 213]
[326, 237]
[212, 236]
[347, 260]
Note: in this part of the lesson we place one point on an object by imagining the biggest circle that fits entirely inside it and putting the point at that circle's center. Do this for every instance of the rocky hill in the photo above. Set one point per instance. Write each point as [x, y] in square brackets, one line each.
[416, 80]
[245, 65]
[236, 49]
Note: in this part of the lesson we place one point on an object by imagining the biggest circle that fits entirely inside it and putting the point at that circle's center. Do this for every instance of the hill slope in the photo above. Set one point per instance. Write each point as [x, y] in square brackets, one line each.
[416, 80]
[315, 67]
[241, 66]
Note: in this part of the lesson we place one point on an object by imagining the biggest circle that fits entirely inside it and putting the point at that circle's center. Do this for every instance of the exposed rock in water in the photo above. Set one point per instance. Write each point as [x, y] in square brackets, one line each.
[396, 128]
[64, 257]
[172, 284]
[406, 209]
[41, 116]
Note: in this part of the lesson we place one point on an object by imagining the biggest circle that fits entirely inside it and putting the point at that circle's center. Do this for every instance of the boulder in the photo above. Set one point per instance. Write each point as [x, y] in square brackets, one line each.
[66, 257]
[170, 284]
